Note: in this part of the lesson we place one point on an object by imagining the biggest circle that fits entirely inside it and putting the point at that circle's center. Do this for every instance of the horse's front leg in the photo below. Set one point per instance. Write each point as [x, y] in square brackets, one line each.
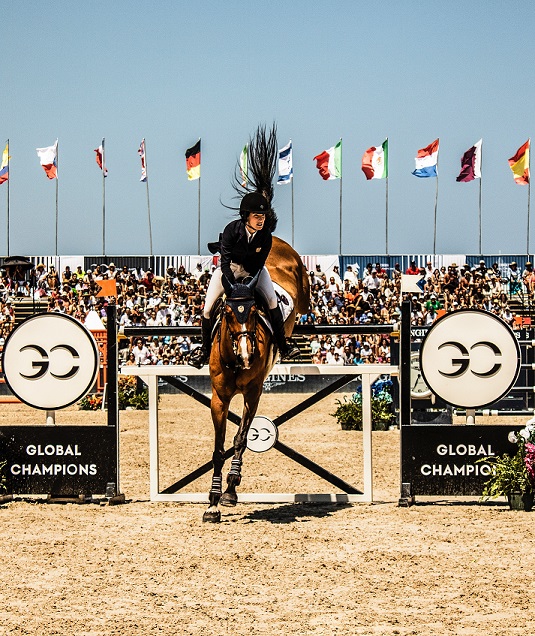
[219, 410]
[230, 498]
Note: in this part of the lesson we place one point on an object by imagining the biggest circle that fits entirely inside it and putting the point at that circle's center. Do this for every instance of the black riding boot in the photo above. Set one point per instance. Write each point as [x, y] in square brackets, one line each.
[277, 322]
[201, 355]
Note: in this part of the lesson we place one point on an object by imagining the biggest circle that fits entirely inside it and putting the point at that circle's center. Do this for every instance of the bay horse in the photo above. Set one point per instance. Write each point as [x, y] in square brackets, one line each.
[243, 353]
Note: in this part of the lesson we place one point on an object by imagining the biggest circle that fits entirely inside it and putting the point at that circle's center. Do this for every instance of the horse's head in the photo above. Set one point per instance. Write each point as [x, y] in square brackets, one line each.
[239, 314]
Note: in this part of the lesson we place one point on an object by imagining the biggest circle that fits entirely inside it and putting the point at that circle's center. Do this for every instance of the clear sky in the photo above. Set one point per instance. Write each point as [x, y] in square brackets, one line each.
[175, 71]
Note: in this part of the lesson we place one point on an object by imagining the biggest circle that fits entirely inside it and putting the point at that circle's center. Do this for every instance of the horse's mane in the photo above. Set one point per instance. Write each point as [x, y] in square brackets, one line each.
[261, 168]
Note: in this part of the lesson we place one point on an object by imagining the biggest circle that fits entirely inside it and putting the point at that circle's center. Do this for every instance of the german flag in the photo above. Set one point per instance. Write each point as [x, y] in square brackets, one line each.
[193, 161]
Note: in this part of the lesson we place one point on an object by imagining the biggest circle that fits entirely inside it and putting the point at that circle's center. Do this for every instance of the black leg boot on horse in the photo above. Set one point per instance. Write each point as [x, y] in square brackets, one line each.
[286, 350]
[201, 355]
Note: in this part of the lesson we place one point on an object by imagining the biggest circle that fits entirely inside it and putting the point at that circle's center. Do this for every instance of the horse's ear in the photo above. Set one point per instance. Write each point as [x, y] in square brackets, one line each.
[227, 285]
[252, 283]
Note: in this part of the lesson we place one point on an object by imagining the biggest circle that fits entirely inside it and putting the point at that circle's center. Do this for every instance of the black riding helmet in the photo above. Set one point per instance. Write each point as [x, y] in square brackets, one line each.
[253, 202]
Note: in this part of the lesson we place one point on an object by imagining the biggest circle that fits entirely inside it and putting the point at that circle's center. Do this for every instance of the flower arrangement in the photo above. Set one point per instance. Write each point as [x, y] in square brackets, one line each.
[91, 402]
[128, 395]
[349, 411]
[514, 474]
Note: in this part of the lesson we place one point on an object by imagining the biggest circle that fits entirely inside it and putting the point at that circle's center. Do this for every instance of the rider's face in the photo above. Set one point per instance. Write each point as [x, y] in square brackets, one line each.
[256, 221]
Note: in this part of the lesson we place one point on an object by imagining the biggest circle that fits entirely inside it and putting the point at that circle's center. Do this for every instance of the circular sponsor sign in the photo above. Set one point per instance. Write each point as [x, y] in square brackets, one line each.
[262, 434]
[50, 361]
[470, 358]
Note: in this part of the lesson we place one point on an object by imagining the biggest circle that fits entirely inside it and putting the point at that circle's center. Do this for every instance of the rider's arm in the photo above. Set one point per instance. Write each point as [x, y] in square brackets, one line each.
[228, 241]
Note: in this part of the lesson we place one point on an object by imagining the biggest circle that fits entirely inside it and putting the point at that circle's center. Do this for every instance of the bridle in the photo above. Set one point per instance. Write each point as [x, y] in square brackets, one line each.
[241, 302]
[236, 336]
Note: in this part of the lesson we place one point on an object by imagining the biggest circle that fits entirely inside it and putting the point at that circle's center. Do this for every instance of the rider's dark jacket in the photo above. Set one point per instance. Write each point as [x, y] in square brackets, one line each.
[235, 248]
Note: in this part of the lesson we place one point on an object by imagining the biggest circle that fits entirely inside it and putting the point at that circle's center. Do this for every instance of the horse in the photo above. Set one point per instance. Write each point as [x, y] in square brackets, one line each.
[243, 353]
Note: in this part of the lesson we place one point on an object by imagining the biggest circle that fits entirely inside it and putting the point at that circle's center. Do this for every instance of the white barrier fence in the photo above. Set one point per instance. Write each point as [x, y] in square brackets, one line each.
[369, 373]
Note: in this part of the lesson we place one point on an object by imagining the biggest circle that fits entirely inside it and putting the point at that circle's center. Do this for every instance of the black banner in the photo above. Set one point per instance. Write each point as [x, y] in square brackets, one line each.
[58, 460]
[443, 460]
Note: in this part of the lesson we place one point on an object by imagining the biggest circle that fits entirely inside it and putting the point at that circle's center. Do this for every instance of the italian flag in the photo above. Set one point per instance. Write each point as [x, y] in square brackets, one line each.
[520, 164]
[329, 162]
[375, 162]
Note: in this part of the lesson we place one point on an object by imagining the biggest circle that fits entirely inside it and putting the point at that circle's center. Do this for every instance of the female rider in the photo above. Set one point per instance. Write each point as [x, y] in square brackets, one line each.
[245, 246]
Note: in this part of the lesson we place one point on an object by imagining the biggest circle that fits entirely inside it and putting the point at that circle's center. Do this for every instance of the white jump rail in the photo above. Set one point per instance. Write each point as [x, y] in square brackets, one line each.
[369, 374]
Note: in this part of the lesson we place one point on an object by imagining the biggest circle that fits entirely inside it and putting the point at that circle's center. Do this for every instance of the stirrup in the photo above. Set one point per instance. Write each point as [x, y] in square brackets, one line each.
[290, 352]
[198, 358]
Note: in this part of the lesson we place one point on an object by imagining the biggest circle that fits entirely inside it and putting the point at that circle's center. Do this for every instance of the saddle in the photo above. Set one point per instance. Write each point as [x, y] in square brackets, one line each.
[284, 300]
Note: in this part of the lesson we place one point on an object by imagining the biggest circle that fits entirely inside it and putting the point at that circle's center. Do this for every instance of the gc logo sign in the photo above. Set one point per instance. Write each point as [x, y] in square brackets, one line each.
[262, 434]
[50, 361]
[470, 358]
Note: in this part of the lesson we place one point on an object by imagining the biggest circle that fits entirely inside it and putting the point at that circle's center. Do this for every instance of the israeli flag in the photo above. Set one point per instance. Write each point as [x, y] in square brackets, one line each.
[285, 164]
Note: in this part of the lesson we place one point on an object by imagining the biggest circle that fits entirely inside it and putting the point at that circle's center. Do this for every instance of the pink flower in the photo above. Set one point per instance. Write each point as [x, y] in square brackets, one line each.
[529, 460]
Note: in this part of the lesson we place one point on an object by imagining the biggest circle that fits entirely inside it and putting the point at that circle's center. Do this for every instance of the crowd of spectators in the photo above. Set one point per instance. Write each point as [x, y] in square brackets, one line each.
[370, 297]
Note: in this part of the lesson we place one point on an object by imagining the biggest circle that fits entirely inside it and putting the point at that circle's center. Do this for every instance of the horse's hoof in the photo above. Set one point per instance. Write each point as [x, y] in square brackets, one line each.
[212, 516]
[228, 499]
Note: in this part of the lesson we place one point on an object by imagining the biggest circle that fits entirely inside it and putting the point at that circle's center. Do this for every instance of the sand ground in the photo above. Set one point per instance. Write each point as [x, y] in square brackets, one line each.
[443, 566]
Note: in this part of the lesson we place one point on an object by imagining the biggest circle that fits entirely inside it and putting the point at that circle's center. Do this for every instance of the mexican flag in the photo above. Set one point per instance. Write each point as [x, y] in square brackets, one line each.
[375, 162]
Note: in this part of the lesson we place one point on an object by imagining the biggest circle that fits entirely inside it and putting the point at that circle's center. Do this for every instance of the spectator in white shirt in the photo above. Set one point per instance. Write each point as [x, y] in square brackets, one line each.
[141, 353]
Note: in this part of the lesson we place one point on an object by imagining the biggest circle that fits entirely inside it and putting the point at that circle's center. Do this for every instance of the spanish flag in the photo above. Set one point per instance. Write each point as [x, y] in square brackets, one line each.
[520, 164]
[193, 161]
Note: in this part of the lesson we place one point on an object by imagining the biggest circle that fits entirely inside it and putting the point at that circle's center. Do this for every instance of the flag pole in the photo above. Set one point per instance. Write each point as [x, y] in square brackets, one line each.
[103, 199]
[435, 224]
[199, 216]
[480, 208]
[386, 222]
[293, 217]
[341, 172]
[57, 191]
[148, 198]
[529, 199]
[386, 201]
[8, 180]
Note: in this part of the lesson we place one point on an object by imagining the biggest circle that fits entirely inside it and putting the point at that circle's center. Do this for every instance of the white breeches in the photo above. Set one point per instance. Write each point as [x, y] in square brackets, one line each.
[216, 289]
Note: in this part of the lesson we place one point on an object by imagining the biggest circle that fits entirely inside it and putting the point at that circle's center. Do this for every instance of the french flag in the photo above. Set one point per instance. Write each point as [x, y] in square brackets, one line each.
[426, 161]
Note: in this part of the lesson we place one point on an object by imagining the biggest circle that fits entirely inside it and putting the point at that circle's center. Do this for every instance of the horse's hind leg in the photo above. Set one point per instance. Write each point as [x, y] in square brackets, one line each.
[230, 497]
[219, 417]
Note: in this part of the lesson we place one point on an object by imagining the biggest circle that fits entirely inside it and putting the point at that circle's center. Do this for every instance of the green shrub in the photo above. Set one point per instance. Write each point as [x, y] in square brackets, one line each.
[127, 396]
[348, 413]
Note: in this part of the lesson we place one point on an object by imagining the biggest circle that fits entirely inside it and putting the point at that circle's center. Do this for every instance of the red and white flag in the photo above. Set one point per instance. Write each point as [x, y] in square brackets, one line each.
[100, 158]
[141, 153]
[49, 160]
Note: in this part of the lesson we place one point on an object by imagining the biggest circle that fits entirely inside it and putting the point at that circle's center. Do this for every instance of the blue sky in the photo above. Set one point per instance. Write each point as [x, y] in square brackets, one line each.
[174, 71]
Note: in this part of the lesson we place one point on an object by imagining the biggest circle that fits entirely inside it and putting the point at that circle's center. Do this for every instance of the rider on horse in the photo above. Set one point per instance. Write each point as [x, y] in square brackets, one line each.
[245, 246]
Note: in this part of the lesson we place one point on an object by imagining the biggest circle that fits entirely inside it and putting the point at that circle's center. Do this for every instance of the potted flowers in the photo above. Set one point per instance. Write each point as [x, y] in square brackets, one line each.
[348, 412]
[514, 476]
